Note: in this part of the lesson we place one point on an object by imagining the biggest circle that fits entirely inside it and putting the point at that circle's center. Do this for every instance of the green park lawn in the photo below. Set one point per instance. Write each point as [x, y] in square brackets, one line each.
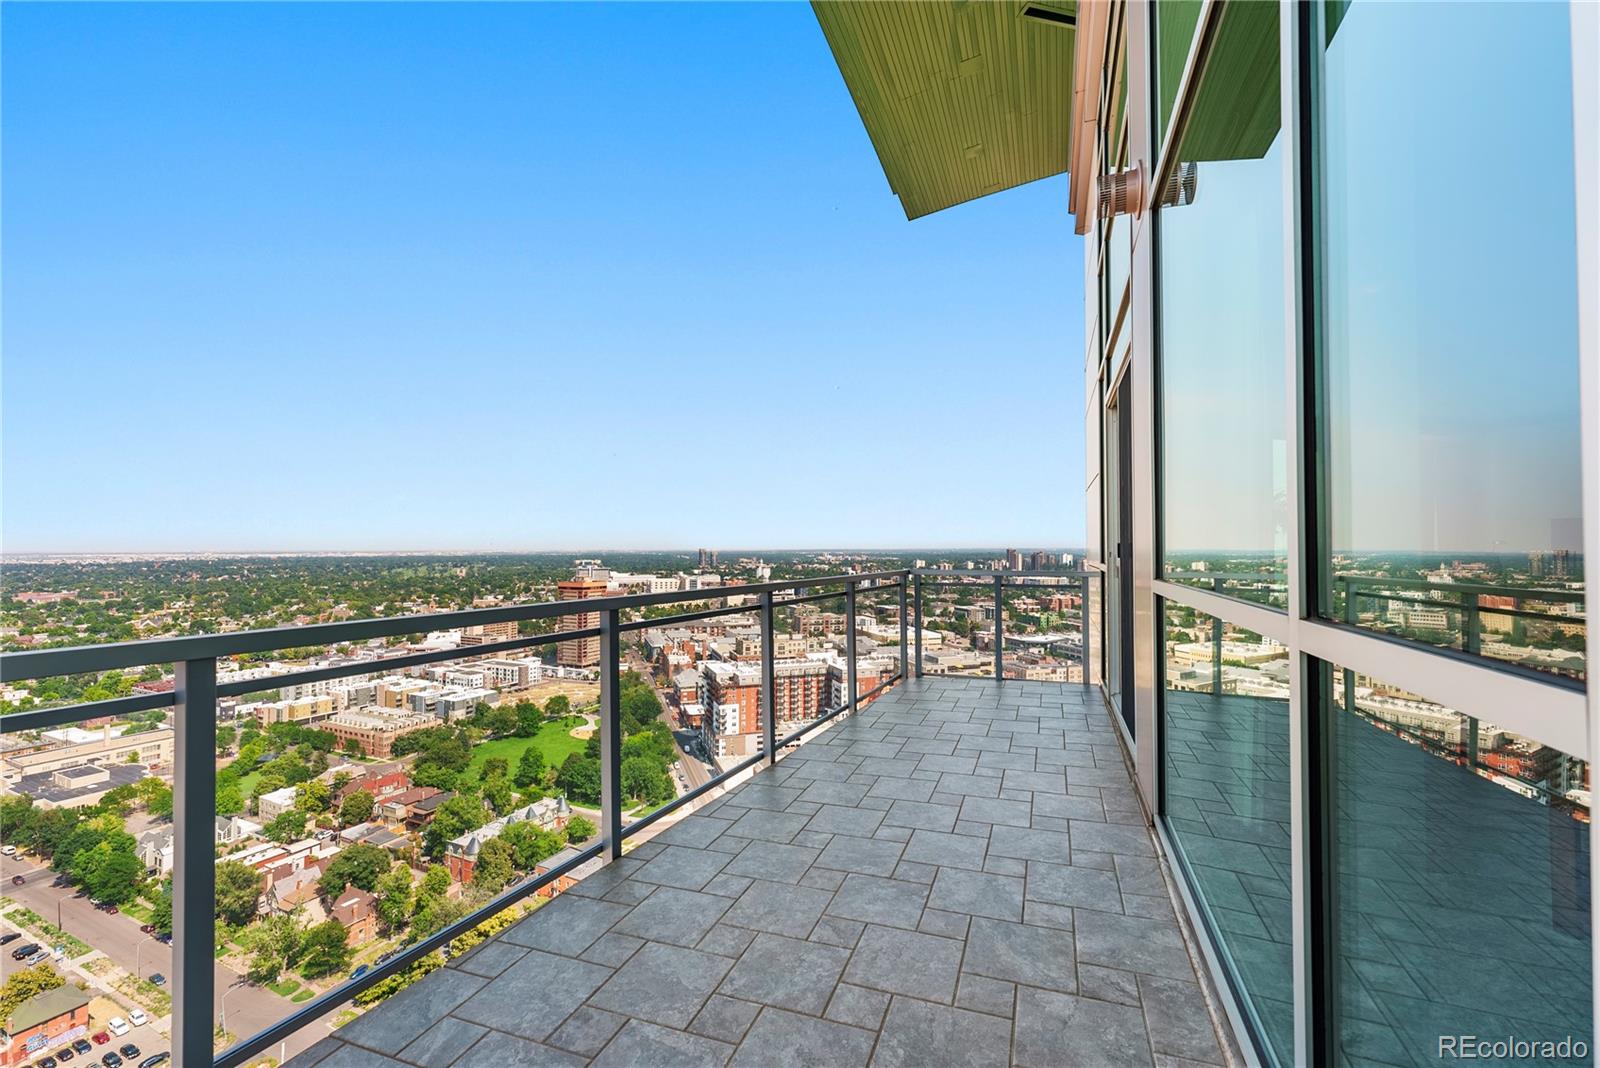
[554, 740]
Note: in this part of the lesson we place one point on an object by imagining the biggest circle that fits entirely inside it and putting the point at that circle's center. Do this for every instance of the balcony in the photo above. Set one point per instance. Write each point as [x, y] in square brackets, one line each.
[930, 856]
[959, 874]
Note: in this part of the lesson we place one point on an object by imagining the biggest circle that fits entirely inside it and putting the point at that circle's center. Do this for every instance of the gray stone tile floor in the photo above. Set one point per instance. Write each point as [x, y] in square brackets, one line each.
[958, 875]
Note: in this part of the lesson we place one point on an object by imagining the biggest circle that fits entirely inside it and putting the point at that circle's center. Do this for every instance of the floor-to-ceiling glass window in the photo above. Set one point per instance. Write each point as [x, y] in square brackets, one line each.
[1226, 805]
[1450, 319]
[1460, 867]
[1220, 250]
[1447, 847]
[1221, 333]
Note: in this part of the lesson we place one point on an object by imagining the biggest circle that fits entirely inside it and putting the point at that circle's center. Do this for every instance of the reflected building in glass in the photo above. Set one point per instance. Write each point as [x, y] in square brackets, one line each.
[1343, 296]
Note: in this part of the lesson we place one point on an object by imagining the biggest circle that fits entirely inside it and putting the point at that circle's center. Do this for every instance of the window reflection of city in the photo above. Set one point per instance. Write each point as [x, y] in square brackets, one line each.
[1460, 854]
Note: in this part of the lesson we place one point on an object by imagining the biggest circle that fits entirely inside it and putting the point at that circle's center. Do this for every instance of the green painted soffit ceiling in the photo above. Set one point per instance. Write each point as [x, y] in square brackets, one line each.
[961, 98]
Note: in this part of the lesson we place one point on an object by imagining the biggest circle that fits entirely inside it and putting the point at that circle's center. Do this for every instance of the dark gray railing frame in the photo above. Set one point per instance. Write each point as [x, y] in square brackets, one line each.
[1002, 579]
[197, 691]
[194, 702]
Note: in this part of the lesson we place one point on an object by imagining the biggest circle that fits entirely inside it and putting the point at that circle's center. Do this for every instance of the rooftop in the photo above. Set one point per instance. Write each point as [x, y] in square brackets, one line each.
[959, 874]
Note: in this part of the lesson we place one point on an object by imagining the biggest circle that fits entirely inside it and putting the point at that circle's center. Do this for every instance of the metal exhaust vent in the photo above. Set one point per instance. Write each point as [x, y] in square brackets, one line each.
[1123, 193]
[1050, 16]
[1181, 187]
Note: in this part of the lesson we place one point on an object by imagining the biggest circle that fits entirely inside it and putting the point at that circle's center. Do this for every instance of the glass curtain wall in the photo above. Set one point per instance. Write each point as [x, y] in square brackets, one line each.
[1369, 518]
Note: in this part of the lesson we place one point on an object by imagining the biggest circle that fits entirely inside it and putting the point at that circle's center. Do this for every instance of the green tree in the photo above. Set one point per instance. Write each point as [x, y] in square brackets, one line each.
[452, 819]
[394, 897]
[643, 779]
[114, 875]
[500, 720]
[313, 797]
[493, 868]
[530, 717]
[287, 826]
[558, 707]
[529, 845]
[530, 768]
[324, 950]
[24, 984]
[497, 793]
[156, 796]
[353, 747]
[238, 892]
[579, 829]
[580, 778]
[494, 766]
[360, 865]
[161, 908]
[355, 808]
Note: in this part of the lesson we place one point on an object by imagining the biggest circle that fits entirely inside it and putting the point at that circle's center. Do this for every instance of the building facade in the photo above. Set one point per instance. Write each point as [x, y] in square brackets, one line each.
[580, 652]
[1342, 412]
[1308, 478]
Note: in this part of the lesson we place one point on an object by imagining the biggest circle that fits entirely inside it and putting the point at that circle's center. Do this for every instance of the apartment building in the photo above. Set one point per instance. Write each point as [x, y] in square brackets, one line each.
[1289, 356]
[150, 748]
[375, 730]
[580, 652]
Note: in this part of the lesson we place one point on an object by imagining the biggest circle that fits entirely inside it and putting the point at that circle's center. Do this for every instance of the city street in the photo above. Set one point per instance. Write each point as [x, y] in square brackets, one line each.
[249, 1008]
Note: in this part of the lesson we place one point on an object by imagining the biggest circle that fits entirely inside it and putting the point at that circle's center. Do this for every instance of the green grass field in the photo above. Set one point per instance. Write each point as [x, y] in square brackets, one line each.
[553, 740]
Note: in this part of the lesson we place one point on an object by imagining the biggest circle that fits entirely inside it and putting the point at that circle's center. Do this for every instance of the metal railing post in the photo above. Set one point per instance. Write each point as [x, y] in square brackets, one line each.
[904, 631]
[1083, 625]
[999, 629]
[194, 878]
[611, 733]
[917, 583]
[1350, 617]
[1216, 644]
[769, 708]
[1472, 626]
[850, 644]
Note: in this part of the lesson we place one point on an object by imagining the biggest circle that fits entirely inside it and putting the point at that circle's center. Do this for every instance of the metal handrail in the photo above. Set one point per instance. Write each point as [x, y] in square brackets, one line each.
[197, 691]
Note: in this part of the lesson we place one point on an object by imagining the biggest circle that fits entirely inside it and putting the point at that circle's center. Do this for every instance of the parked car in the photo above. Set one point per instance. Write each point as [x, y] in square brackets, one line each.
[17, 880]
[82, 1046]
[100, 1038]
[65, 1054]
[25, 951]
[158, 979]
[59, 953]
[38, 958]
[9, 936]
[111, 1060]
[164, 939]
[155, 1059]
[148, 928]
[118, 1026]
[111, 910]
[129, 1050]
[138, 1017]
[48, 1062]
[9, 851]
[362, 970]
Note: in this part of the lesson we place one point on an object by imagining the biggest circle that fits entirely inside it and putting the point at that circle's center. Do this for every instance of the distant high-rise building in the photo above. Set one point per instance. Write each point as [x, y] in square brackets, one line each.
[1536, 563]
[580, 652]
[1039, 560]
[1013, 559]
[705, 558]
[1560, 562]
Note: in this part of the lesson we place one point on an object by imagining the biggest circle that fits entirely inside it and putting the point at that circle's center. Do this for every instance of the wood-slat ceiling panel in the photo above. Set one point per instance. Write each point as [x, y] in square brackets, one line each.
[960, 99]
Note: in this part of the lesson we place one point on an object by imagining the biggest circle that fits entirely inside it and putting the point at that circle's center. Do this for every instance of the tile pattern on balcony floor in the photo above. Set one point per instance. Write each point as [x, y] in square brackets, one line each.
[958, 875]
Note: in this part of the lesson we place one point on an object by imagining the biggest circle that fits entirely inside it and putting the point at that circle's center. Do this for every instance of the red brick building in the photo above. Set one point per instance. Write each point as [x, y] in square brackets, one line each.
[44, 1023]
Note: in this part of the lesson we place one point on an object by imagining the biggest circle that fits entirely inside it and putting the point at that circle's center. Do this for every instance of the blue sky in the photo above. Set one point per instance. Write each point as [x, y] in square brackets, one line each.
[505, 276]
